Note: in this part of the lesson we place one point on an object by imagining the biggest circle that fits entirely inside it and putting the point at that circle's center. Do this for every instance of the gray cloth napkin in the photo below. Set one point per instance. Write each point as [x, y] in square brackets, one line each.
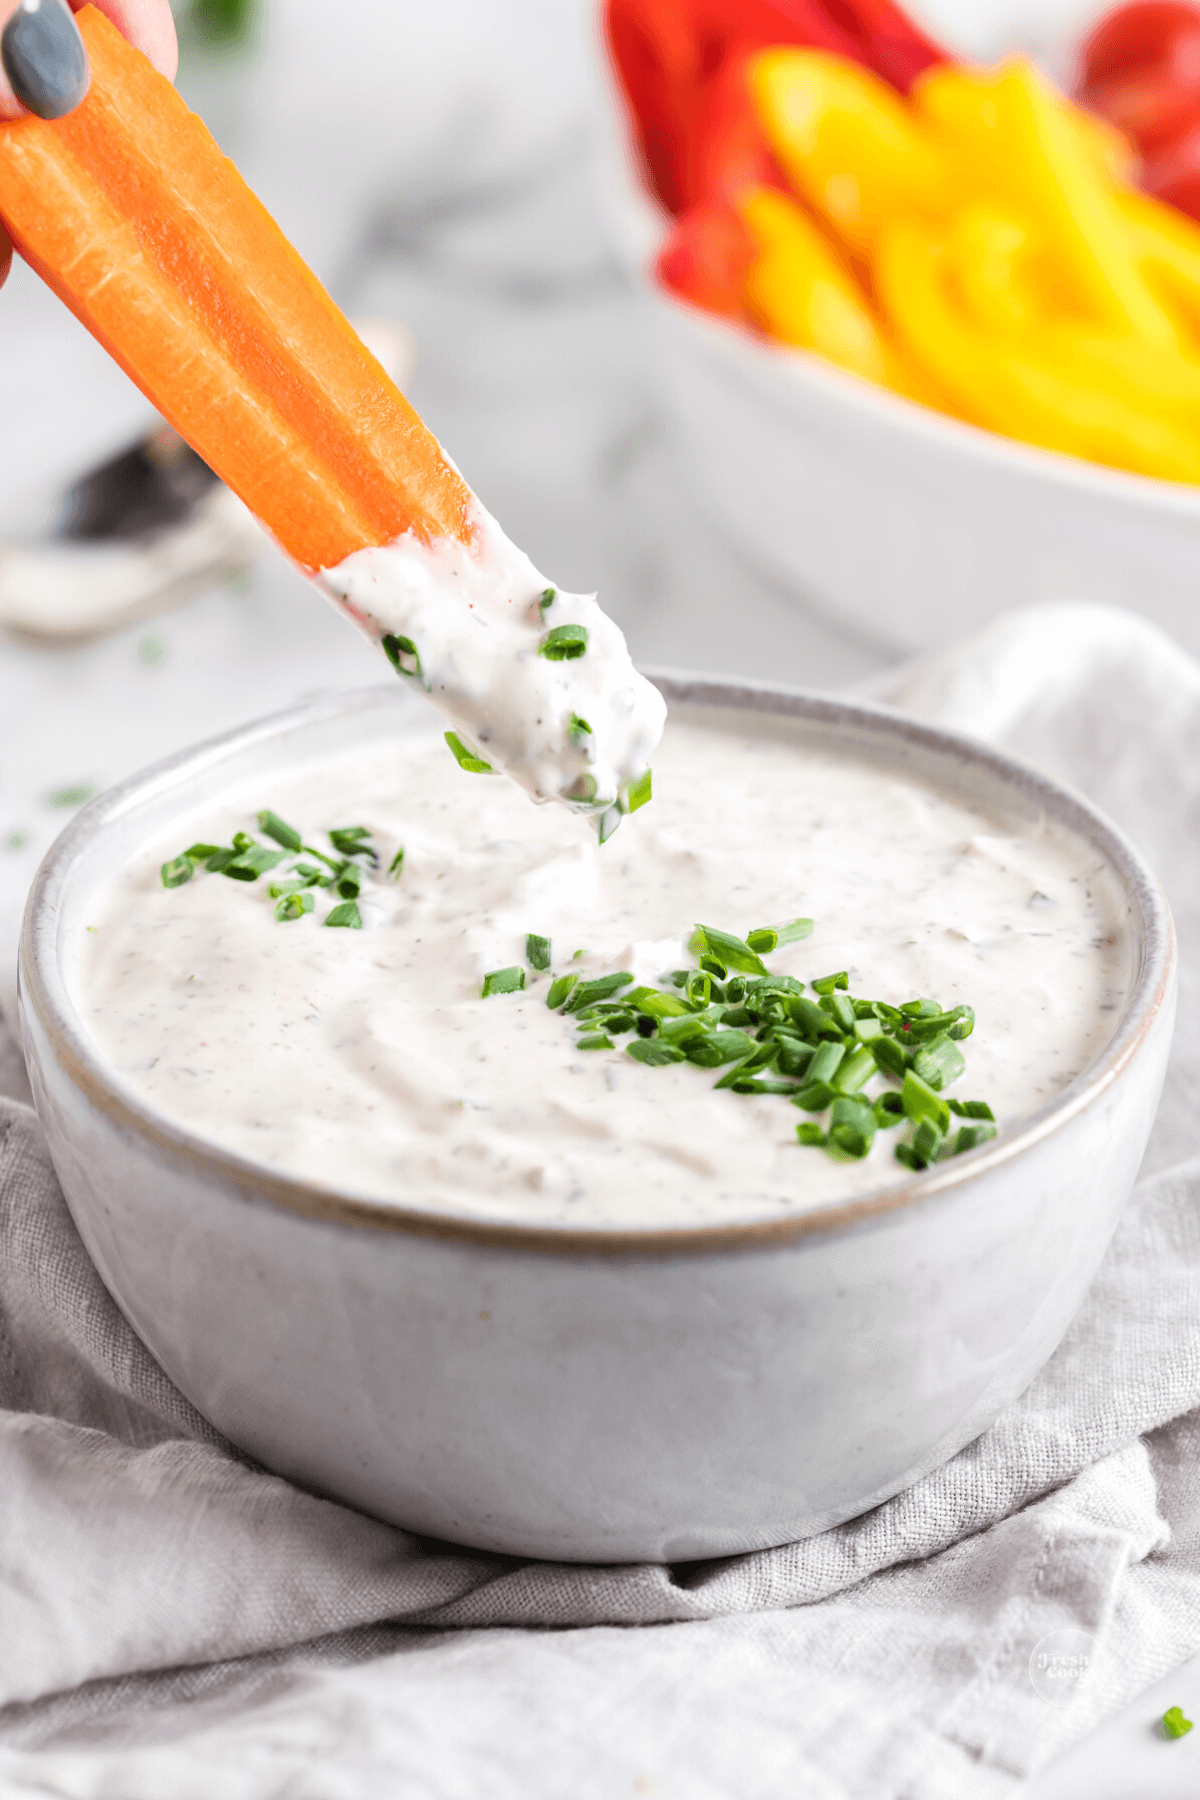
[175, 1621]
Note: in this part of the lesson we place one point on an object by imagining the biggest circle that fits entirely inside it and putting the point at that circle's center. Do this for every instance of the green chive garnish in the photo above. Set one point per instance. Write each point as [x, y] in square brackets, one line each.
[607, 822]
[466, 759]
[653, 1052]
[828, 984]
[971, 1109]
[599, 989]
[578, 729]
[549, 596]
[638, 792]
[564, 643]
[294, 906]
[274, 827]
[809, 1133]
[249, 863]
[176, 872]
[352, 840]
[969, 1137]
[346, 913]
[921, 1103]
[599, 1042]
[537, 951]
[560, 987]
[396, 865]
[939, 1063]
[729, 951]
[503, 981]
[402, 653]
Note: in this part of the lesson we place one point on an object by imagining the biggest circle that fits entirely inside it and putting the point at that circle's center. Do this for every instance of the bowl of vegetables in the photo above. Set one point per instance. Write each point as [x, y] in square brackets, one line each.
[929, 352]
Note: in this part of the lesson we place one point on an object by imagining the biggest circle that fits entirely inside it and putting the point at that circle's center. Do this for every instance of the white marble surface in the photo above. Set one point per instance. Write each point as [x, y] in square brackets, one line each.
[457, 199]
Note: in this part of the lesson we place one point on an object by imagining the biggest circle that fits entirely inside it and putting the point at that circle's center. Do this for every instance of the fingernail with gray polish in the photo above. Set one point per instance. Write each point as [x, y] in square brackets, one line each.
[44, 58]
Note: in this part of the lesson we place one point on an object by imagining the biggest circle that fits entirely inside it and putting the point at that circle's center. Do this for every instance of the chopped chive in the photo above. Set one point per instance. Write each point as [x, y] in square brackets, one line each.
[403, 655]
[638, 792]
[78, 795]
[564, 643]
[661, 1006]
[578, 729]
[396, 865]
[889, 1109]
[274, 827]
[971, 1109]
[867, 1030]
[794, 1056]
[537, 951]
[620, 1022]
[503, 981]
[599, 1042]
[904, 1153]
[839, 1008]
[827, 984]
[607, 822]
[249, 864]
[348, 881]
[351, 840]
[294, 906]
[598, 989]
[969, 1137]
[467, 759]
[774, 984]
[653, 1052]
[812, 1021]
[927, 1141]
[549, 596]
[826, 1061]
[1174, 1724]
[921, 1103]
[939, 1063]
[560, 987]
[345, 913]
[729, 951]
[814, 1096]
[218, 860]
[201, 852]
[713, 1048]
[857, 1069]
[810, 1133]
[698, 987]
[176, 872]
[763, 940]
[892, 1058]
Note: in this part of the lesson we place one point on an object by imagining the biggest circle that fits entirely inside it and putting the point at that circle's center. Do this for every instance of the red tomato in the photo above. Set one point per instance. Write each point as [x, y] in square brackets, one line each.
[1136, 37]
[1147, 104]
[1174, 175]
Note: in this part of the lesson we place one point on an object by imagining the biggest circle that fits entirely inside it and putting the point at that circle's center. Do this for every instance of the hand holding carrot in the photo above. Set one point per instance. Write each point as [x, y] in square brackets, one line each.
[43, 66]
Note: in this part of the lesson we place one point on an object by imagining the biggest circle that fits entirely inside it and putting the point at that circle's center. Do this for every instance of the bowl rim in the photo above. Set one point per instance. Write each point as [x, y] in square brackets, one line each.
[44, 990]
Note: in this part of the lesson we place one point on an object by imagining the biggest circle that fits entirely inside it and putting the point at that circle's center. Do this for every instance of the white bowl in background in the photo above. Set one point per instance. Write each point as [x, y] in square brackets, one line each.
[596, 1395]
[915, 526]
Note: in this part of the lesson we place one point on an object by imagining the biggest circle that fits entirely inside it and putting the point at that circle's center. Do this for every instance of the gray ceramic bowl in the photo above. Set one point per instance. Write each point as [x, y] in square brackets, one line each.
[593, 1395]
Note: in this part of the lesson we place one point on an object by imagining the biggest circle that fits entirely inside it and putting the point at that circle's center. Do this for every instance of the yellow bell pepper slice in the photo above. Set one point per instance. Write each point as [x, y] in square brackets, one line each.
[847, 142]
[1018, 140]
[802, 292]
[1007, 387]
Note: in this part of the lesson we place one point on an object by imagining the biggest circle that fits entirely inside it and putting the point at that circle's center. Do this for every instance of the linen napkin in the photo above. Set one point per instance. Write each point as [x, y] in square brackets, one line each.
[175, 1621]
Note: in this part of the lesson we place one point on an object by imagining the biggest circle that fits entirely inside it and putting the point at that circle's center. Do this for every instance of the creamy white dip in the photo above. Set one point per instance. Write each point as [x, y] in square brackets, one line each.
[366, 1060]
[475, 620]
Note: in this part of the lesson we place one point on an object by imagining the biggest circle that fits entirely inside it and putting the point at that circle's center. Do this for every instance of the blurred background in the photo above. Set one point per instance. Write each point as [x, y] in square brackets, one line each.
[459, 171]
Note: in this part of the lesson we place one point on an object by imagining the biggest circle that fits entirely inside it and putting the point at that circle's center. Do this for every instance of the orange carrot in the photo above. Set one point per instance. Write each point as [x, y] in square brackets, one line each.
[129, 211]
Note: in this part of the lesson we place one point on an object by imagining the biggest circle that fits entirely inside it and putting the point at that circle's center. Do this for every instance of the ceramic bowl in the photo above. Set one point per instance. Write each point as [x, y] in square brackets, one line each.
[888, 515]
[602, 1395]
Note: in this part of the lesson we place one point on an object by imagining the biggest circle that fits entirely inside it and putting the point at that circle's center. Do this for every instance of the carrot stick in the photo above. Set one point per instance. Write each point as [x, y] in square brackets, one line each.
[129, 211]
